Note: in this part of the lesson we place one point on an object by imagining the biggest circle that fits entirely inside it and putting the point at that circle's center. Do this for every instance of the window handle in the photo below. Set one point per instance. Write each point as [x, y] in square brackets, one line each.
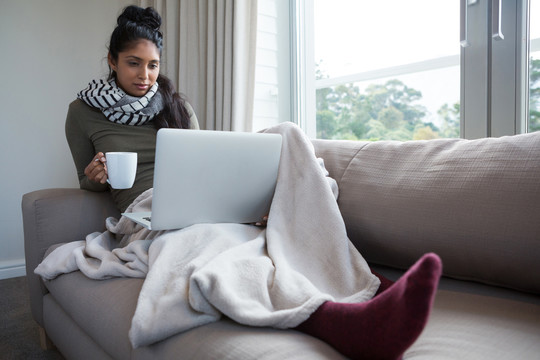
[496, 20]
[463, 4]
[464, 15]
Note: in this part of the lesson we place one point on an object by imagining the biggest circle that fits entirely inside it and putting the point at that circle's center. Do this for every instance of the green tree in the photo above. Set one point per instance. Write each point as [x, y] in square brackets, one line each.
[326, 124]
[425, 133]
[396, 94]
[391, 118]
[391, 110]
[449, 116]
[534, 95]
[382, 111]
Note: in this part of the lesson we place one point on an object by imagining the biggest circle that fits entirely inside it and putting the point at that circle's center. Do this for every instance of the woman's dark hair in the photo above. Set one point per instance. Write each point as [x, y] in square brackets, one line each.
[136, 23]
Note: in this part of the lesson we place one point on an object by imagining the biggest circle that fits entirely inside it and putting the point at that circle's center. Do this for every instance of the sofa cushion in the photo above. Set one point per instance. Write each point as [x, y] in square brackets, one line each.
[101, 308]
[476, 203]
[67, 336]
[461, 325]
[467, 326]
[227, 340]
[104, 309]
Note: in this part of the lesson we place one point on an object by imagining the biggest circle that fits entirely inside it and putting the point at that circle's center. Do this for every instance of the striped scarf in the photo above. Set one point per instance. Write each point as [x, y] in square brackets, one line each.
[120, 107]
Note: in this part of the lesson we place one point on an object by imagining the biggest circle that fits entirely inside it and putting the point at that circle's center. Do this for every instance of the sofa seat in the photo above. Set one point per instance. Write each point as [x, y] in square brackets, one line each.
[472, 321]
[467, 326]
[498, 324]
[103, 310]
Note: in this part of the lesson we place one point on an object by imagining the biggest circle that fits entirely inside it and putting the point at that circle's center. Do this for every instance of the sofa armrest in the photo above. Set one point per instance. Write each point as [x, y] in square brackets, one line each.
[53, 216]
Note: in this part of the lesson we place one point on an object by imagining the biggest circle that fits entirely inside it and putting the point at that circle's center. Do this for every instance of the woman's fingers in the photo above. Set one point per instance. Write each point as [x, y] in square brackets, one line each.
[97, 169]
[263, 222]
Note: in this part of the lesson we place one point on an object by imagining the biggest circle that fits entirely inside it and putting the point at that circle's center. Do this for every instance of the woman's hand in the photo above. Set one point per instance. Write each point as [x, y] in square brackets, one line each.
[96, 171]
[263, 222]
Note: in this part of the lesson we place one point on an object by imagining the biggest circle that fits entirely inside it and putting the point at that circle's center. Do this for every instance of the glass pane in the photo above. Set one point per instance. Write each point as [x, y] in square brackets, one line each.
[534, 66]
[389, 108]
[377, 61]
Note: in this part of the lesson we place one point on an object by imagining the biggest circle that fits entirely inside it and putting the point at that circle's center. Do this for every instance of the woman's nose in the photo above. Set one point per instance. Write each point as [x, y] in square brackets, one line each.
[143, 74]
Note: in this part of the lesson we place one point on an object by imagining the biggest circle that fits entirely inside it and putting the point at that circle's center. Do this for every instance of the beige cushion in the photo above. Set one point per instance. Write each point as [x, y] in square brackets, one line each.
[466, 326]
[476, 203]
[104, 309]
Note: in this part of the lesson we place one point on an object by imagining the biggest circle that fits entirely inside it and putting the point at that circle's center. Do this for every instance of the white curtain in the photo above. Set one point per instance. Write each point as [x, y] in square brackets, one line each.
[209, 53]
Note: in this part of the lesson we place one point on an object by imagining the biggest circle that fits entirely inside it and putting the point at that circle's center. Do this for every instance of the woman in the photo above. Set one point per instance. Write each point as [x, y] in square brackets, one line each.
[123, 114]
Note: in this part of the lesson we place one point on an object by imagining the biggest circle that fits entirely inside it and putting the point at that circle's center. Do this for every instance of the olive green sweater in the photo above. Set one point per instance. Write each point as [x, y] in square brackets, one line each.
[88, 132]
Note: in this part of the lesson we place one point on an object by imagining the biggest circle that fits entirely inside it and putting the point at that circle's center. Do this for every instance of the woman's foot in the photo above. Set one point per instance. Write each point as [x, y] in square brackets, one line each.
[385, 326]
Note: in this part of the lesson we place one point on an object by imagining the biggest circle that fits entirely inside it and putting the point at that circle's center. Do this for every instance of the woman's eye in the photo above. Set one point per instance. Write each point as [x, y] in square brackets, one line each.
[133, 64]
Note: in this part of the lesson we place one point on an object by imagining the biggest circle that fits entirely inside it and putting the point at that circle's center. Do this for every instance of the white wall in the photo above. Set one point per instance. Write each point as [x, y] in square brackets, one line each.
[49, 51]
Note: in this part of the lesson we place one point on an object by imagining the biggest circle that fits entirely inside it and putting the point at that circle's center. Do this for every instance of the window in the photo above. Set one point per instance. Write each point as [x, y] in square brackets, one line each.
[534, 67]
[394, 76]
[394, 69]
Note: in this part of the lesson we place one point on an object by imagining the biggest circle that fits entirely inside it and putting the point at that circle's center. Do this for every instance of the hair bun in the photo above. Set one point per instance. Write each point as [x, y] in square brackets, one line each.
[141, 17]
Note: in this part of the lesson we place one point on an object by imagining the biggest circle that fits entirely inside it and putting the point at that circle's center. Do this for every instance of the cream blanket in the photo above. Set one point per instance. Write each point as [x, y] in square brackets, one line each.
[274, 277]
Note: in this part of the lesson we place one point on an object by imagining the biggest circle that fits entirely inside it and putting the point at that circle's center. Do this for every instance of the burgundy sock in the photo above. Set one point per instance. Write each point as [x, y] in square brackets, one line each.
[385, 326]
[385, 282]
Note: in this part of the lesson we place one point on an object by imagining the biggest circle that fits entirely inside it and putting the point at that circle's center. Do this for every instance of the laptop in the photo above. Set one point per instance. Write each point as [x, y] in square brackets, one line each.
[203, 176]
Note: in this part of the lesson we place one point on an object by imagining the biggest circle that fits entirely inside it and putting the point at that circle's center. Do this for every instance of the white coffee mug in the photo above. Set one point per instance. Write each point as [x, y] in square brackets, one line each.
[121, 169]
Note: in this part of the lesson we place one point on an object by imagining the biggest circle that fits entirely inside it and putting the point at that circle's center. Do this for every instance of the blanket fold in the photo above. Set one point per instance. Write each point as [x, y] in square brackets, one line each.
[276, 276]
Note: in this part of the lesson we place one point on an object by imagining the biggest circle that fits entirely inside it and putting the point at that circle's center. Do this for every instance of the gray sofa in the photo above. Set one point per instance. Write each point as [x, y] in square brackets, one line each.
[475, 203]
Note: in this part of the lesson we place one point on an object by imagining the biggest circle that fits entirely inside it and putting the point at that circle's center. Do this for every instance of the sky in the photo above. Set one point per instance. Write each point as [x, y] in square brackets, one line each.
[356, 36]
[534, 11]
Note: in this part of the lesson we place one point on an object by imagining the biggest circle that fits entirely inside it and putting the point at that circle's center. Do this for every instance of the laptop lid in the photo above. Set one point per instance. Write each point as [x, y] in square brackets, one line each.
[203, 176]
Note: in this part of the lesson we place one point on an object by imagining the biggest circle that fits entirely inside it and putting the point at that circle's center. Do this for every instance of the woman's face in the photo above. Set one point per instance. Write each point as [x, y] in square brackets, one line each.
[137, 68]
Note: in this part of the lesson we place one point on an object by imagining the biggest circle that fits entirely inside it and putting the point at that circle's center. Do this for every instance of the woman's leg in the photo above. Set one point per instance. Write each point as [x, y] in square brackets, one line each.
[385, 326]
